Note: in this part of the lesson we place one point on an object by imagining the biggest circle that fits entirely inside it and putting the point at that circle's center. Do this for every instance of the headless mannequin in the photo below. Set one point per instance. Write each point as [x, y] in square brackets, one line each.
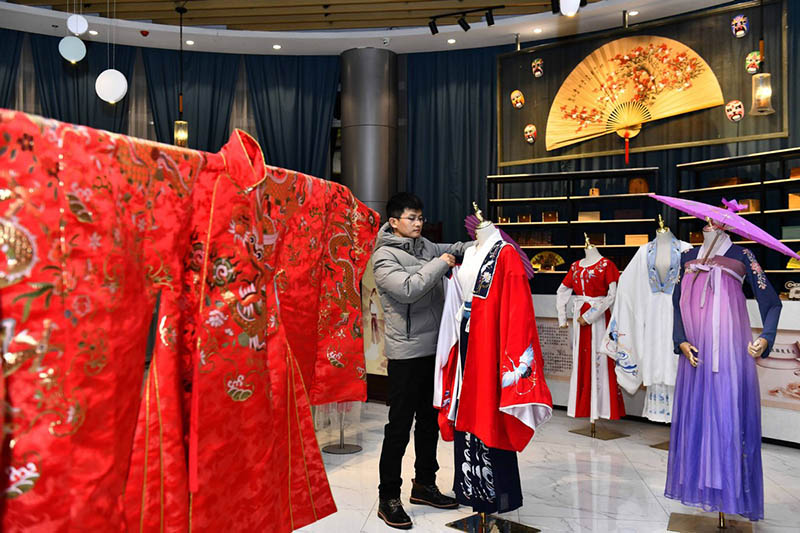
[713, 239]
[592, 256]
[663, 250]
[486, 234]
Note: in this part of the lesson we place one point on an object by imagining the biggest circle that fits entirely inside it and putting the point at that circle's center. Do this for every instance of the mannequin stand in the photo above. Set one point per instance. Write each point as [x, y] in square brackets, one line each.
[341, 448]
[598, 433]
[661, 445]
[685, 523]
[483, 523]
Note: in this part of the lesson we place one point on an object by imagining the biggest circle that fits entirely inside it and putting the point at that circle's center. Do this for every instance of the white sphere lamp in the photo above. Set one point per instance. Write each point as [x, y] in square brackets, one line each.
[72, 49]
[111, 86]
[77, 24]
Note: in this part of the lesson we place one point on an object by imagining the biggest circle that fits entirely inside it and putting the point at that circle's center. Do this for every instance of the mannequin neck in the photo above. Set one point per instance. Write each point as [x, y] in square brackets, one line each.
[484, 234]
[713, 239]
[663, 236]
[592, 254]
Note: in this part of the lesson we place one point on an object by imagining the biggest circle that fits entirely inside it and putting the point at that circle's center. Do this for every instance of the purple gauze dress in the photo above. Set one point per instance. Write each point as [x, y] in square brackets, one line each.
[715, 439]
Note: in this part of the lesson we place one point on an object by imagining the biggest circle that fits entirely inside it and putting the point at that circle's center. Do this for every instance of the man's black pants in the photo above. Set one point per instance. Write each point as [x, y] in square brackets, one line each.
[410, 393]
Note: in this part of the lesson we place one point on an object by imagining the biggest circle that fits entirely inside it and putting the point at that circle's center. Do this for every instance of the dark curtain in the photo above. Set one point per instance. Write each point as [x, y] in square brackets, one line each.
[66, 91]
[209, 82]
[452, 138]
[9, 61]
[293, 98]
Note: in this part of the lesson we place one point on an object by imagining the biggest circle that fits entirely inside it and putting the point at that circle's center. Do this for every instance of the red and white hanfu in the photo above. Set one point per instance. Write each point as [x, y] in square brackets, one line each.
[593, 390]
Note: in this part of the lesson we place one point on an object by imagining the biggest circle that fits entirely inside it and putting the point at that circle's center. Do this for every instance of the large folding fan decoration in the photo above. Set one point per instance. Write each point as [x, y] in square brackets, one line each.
[626, 83]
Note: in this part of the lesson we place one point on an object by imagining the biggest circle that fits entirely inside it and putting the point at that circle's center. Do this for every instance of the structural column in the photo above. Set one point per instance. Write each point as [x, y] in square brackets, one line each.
[369, 125]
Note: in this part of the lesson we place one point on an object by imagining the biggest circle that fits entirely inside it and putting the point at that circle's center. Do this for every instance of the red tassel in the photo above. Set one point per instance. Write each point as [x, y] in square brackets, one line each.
[627, 148]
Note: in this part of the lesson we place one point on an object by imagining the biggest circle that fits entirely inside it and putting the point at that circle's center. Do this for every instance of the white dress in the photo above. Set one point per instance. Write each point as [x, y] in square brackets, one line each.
[639, 334]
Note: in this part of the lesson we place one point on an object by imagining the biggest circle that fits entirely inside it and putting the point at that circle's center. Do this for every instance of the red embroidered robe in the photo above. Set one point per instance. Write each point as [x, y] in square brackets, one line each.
[503, 395]
[93, 235]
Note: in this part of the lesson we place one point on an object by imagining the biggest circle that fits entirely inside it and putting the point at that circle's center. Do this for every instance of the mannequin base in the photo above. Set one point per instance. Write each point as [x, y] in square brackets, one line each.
[599, 433]
[341, 449]
[685, 523]
[491, 524]
[661, 445]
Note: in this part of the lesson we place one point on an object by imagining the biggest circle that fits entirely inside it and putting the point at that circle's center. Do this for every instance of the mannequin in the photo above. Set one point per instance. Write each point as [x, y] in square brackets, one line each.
[663, 238]
[639, 334]
[489, 385]
[593, 384]
[715, 452]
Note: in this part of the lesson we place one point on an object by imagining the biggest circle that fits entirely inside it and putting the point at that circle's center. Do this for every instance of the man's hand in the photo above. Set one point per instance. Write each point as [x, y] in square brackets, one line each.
[449, 259]
[687, 350]
[755, 349]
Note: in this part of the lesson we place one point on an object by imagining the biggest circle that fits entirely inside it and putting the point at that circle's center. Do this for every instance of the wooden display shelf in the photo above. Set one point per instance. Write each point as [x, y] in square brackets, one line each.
[784, 271]
[613, 221]
[556, 223]
[518, 200]
[544, 246]
[783, 181]
[576, 175]
[742, 160]
[605, 196]
[748, 214]
[562, 272]
[775, 211]
[720, 187]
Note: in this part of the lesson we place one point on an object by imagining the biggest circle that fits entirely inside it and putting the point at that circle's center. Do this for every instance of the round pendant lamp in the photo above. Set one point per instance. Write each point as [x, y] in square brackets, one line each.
[72, 49]
[77, 24]
[111, 86]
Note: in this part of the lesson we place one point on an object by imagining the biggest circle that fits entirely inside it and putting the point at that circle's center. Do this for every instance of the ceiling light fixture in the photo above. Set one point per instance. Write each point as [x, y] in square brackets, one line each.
[461, 17]
[276, 47]
[432, 26]
[189, 42]
[489, 18]
[180, 128]
[463, 23]
[92, 32]
[633, 13]
[568, 8]
[537, 30]
[111, 85]
[451, 41]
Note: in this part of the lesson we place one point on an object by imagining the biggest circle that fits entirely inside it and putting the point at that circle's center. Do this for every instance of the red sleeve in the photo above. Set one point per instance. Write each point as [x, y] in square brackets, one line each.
[348, 239]
[567, 281]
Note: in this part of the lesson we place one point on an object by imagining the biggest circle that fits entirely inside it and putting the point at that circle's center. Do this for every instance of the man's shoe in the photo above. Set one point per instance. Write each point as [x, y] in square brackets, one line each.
[391, 511]
[430, 495]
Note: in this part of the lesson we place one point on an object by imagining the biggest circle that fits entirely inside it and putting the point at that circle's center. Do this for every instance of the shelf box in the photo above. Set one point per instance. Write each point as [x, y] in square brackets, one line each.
[724, 182]
[598, 239]
[627, 214]
[636, 239]
[794, 201]
[790, 232]
[753, 205]
[795, 172]
[695, 237]
[550, 216]
[588, 216]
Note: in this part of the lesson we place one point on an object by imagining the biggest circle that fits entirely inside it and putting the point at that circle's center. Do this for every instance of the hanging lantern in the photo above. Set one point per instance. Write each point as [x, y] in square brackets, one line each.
[111, 86]
[569, 8]
[72, 49]
[762, 95]
[77, 24]
[181, 133]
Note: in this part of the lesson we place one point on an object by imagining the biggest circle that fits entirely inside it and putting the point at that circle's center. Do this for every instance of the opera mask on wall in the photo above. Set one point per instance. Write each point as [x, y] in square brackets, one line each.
[517, 99]
[734, 110]
[753, 62]
[739, 26]
[537, 67]
[530, 133]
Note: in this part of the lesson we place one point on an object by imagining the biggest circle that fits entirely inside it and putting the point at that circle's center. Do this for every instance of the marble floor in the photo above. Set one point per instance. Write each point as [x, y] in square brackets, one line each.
[569, 482]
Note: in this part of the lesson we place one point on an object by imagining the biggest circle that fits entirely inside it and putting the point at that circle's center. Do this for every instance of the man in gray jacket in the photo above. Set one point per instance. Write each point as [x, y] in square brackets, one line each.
[408, 273]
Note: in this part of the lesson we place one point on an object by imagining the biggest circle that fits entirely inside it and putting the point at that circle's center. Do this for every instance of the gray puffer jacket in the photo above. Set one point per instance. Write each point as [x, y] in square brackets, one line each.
[408, 274]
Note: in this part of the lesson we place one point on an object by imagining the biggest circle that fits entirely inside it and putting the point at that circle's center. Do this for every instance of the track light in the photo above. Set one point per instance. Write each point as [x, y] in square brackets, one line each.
[489, 18]
[463, 23]
[432, 26]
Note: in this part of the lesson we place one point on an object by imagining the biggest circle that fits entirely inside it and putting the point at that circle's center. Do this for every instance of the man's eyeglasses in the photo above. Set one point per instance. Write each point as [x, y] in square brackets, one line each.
[414, 219]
